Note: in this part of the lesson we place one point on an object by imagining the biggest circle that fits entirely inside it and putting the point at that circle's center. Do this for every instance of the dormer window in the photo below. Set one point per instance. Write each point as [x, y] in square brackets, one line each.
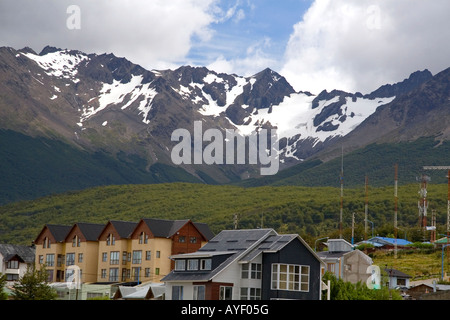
[110, 240]
[46, 243]
[76, 241]
[180, 265]
[143, 238]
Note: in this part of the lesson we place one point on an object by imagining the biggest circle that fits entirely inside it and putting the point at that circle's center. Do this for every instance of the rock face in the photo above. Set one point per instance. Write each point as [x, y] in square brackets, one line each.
[102, 102]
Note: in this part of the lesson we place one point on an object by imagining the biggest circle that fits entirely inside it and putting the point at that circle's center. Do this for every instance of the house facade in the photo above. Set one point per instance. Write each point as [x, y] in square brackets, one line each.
[256, 264]
[50, 250]
[118, 251]
[14, 260]
[344, 262]
[81, 249]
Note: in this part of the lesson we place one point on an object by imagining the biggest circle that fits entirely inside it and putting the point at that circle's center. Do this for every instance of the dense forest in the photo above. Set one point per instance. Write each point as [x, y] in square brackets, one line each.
[312, 212]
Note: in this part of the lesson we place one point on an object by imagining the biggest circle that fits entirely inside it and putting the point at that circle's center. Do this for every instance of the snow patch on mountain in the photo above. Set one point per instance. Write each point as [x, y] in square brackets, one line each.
[295, 116]
[60, 63]
[118, 93]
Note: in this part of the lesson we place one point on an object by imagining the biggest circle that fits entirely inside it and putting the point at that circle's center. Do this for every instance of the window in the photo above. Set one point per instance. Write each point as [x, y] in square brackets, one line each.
[76, 241]
[137, 256]
[12, 277]
[46, 243]
[124, 274]
[199, 293]
[182, 239]
[225, 293]
[158, 254]
[180, 265]
[50, 260]
[136, 272]
[251, 271]
[143, 238]
[80, 257]
[148, 255]
[157, 271]
[103, 273]
[110, 240]
[205, 264]
[192, 264]
[250, 294]
[290, 277]
[41, 259]
[60, 260]
[13, 264]
[193, 239]
[70, 259]
[124, 257]
[114, 274]
[177, 293]
[105, 256]
[114, 257]
[147, 272]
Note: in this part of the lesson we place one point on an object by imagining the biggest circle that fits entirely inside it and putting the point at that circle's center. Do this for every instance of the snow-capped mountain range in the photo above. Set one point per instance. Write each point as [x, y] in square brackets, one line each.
[102, 101]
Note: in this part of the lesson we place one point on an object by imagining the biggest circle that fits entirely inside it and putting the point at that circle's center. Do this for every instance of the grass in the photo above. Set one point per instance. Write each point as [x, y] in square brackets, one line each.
[419, 264]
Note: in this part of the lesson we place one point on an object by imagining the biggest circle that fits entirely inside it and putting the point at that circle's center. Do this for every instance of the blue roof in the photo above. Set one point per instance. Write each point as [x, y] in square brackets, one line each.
[388, 241]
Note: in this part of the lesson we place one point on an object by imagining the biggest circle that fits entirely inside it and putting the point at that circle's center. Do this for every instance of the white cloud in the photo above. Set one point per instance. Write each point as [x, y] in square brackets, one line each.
[155, 34]
[358, 45]
[255, 60]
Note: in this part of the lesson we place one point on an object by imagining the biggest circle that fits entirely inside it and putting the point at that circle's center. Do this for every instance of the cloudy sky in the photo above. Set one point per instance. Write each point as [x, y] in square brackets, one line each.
[352, 45]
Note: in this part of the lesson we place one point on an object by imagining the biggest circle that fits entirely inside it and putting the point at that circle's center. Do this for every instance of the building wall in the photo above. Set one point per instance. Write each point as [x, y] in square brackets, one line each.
[121, 246]
[355, 266]
[89, 251]
[297, 254]
[56, 272]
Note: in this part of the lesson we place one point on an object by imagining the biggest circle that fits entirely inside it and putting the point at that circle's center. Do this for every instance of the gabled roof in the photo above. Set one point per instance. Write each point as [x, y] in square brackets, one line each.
[389, 241]
[123, 228]
[58, 231]
[25, 253]
[162, 228]
[396, 273]
[91, 231]
[239, 245]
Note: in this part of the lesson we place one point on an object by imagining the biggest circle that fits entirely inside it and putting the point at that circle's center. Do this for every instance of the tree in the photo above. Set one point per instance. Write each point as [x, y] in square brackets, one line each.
[341, 290]
[3, 295]
[33, 285]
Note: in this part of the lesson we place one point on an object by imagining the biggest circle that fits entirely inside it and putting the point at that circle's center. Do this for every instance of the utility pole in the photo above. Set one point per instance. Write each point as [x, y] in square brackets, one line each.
[448, 193]
[342, 193]
[366, 207]
[395, 209]
[448, 200]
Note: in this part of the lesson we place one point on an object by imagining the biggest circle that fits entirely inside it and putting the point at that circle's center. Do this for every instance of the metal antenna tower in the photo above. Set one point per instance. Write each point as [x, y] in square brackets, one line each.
[342, 193]
[395, 209]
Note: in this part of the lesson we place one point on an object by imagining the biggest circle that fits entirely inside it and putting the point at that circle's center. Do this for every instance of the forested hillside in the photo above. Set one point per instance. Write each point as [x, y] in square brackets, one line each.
[311, 212]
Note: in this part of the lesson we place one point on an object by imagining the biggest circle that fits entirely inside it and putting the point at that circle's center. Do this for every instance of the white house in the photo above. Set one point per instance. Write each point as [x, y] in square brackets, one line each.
[14, 260]
[256, 264]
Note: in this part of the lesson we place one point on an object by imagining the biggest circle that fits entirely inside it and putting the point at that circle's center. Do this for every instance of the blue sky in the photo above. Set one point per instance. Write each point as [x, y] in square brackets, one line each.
[351, 45]
[265, 24]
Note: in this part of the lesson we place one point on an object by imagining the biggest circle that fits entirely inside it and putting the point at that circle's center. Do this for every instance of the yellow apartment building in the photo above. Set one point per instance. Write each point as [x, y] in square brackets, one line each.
[120, 251]
[50, 250]
[82, 249]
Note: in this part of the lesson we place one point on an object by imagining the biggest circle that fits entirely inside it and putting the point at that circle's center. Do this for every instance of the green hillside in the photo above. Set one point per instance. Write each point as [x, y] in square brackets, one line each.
[311, 212]
[375, 160]
[35, 167]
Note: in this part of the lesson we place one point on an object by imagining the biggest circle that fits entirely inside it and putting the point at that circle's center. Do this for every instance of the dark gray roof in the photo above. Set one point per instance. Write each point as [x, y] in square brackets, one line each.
[396, 273]
[234, 243]
[26, 253]
[59, 231]
[123, 228]
[272, 243]
[204, 230]
[166, 228]
[91, 231]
